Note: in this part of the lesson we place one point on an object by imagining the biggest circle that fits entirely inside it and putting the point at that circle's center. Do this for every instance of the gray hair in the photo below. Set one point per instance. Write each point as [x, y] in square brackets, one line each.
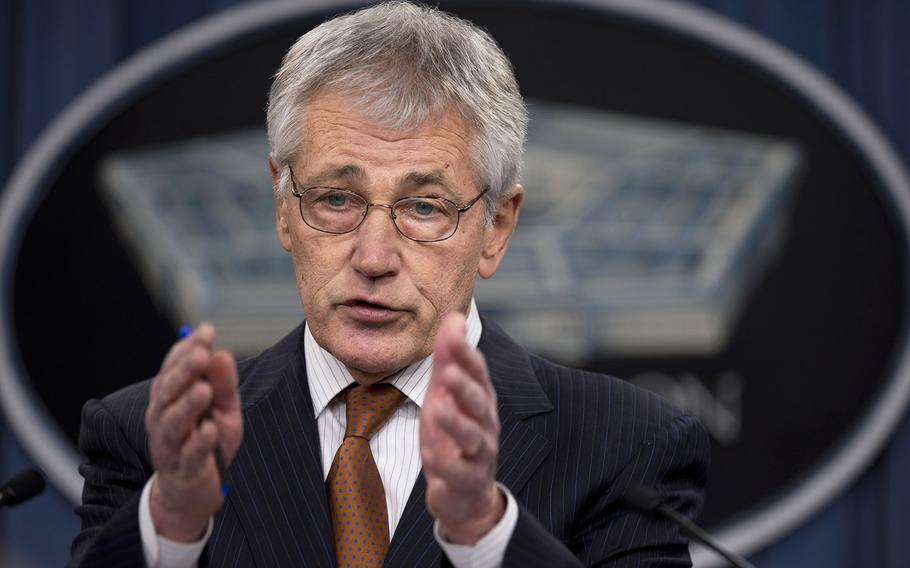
[401, 64]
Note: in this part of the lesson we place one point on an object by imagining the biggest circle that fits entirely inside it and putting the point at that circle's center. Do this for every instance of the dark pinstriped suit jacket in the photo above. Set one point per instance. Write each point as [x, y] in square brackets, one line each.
[571, 443]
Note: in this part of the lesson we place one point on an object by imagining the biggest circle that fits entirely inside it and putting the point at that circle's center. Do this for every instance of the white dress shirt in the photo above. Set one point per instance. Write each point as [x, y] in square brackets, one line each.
[398, 463]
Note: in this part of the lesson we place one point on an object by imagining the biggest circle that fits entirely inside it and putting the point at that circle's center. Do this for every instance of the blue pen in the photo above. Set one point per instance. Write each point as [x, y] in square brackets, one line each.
[186, 331]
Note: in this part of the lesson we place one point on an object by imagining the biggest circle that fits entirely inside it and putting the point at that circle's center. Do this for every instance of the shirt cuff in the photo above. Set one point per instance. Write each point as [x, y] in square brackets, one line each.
[161, 552]
[489, 550]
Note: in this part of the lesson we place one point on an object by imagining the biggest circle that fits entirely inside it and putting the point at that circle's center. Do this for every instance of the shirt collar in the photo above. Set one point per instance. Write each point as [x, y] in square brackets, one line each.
[327, 376]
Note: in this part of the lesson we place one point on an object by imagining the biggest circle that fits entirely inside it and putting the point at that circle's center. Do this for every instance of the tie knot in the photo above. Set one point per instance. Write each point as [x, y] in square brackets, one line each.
[368, 407]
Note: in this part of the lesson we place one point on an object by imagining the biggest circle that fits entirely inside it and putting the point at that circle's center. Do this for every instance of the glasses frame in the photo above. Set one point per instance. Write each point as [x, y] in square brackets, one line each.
[390, 206]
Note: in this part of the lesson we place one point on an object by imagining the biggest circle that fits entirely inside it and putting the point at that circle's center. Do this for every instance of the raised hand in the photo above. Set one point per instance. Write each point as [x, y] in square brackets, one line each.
[459, 438]
[187, 490]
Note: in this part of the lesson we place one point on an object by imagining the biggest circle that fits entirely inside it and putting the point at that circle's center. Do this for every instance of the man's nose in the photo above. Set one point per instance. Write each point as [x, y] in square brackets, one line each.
[377, 243]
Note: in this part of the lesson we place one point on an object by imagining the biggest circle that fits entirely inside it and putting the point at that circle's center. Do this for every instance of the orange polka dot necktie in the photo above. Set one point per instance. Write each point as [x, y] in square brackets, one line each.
[356, 495]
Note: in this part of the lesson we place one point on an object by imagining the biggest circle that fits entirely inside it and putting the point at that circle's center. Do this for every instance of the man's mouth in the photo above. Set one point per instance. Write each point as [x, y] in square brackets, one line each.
[370, 311]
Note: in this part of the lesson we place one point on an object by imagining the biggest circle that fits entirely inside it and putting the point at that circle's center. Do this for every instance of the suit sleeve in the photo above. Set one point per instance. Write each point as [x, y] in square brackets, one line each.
[673, 462]
[115, 474]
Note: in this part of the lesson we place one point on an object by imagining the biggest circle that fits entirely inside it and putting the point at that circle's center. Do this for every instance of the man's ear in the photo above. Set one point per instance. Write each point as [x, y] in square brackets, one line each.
[500, 232]
[282, 229]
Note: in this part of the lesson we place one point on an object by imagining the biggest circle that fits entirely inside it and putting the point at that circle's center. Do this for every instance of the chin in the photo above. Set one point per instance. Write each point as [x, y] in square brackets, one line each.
[369, 371]
[373, 350]
[375, 357]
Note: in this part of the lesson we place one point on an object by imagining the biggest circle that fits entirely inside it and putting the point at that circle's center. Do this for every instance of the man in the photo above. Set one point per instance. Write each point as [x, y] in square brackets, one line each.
[396, 425]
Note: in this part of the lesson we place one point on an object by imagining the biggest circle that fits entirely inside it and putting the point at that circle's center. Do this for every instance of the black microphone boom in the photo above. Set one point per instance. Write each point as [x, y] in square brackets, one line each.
[647, 501]
[21, 488]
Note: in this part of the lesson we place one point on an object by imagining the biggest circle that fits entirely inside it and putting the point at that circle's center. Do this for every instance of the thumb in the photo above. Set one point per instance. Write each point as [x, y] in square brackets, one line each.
[222, 376]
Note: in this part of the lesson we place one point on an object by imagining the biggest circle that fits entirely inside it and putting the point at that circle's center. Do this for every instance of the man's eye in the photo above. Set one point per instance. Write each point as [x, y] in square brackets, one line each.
[425, 207]
[336, 200]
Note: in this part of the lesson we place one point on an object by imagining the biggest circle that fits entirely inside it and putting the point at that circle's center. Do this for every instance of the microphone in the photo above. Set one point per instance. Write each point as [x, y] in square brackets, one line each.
[21, 488]
[648, 502]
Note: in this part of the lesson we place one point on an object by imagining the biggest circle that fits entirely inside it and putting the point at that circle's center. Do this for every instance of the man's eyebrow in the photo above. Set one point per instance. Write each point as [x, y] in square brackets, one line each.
[421, 179]
[333, 174]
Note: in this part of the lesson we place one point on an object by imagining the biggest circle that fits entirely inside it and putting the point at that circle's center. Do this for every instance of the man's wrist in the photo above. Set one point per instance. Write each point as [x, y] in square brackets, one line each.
[467, 534]
[490, 550]
[172, 523]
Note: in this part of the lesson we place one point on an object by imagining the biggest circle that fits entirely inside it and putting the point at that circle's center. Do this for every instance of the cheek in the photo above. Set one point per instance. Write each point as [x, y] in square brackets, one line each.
[447, 281]
[313, 268]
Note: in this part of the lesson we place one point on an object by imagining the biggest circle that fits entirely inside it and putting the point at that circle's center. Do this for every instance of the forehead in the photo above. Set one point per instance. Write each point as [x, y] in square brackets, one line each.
[336, 138]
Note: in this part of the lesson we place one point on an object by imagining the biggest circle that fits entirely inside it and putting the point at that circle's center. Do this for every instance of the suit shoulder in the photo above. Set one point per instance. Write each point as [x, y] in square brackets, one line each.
[259, 374]
[606, 400]
[122, 404]
[122, 411]
[597, 414]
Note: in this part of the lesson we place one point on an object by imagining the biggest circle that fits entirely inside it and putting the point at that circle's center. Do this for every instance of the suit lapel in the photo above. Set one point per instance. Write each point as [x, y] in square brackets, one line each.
[521, 449]
[413, 543]
[278, 489]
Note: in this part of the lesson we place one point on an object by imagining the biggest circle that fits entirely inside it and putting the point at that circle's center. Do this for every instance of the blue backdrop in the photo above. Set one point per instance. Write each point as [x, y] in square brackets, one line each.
[50, 50]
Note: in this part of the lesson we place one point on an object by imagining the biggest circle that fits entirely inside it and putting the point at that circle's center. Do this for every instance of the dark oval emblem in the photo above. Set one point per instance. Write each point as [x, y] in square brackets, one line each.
[706, 216]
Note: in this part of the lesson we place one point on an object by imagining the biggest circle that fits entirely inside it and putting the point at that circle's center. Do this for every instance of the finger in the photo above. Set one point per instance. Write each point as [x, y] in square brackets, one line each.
[451, 331]
[470, 396]
[469, 436]
[435, 444]
[174, 354]
[438, 453]
[173, 383]
[198, 448]
[462, 474]
[179, 419]
[473, 362]
[204, 336]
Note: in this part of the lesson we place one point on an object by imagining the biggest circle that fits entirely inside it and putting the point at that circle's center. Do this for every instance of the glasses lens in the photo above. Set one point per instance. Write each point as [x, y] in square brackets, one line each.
[332, 210]
[426, 218]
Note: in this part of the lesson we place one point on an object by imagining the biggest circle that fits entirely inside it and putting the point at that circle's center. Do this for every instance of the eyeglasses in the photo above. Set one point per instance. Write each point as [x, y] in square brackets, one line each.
[339, 211]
